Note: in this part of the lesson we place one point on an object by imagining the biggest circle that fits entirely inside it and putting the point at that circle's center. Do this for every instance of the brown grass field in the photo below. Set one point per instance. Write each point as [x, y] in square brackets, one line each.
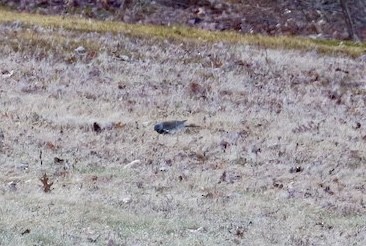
[278, 159]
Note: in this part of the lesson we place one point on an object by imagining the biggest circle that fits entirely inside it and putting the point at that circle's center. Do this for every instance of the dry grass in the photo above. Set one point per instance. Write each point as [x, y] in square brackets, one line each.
[279, 159]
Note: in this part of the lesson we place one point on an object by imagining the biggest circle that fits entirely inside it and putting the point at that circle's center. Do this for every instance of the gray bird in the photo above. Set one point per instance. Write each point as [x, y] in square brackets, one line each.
[169, 127]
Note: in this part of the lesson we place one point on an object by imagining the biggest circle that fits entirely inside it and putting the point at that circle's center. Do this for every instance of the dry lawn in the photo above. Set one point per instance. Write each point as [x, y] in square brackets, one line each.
[279, 158]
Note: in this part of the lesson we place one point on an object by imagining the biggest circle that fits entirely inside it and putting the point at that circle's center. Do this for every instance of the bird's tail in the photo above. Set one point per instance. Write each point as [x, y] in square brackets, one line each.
[192, 125]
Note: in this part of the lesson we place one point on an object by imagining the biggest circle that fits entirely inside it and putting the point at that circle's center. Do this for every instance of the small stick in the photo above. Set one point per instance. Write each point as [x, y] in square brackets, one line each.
[40, 157]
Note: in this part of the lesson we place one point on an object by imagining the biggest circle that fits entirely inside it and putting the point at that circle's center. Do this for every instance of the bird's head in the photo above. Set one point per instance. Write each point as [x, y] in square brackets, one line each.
[159, 128]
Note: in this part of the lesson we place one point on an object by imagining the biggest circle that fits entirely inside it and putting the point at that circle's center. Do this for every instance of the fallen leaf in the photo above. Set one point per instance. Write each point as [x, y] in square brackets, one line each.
[25, 232]
[97, 128]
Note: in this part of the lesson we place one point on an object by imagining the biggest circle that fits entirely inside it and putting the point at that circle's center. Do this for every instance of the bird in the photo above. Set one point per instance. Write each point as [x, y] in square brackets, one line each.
[170, 127]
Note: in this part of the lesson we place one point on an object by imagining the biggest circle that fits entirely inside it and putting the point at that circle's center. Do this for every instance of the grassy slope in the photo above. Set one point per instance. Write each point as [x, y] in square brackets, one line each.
[275, 110]
[184, 33]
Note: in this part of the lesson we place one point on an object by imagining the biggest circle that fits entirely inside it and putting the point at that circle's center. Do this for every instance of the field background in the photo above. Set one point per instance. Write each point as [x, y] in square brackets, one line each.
[278, 159]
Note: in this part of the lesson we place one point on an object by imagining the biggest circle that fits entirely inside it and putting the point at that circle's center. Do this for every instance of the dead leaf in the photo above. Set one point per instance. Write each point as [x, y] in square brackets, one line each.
[97, 128]
[26, 232]
[7, 74]
[57, 160]
[119, 125]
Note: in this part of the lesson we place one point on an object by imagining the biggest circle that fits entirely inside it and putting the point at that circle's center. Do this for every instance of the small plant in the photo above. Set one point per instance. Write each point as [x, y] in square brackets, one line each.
[45, 183]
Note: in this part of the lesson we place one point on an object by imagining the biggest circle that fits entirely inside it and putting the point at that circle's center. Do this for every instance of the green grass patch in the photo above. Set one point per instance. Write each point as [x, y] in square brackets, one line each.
[24, 40]
[180, 33]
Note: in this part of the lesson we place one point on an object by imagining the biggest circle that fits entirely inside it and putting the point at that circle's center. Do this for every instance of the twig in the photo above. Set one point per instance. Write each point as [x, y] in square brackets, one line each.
[40, 157]
[348, 20]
